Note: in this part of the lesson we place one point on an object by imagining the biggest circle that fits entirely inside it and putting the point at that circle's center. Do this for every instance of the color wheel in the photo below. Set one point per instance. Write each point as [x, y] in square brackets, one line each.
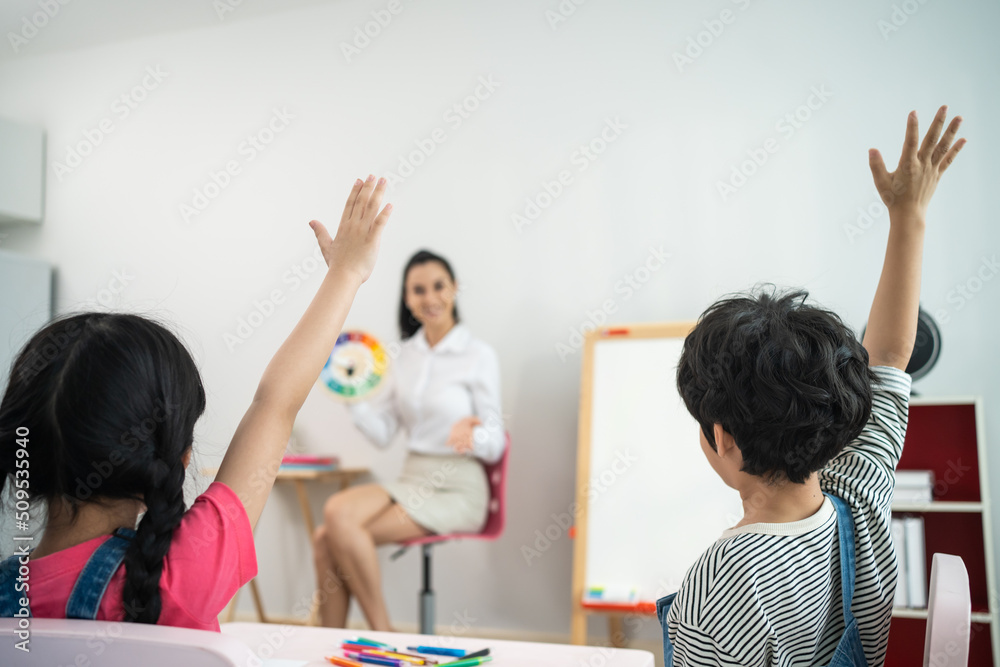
[355, 367]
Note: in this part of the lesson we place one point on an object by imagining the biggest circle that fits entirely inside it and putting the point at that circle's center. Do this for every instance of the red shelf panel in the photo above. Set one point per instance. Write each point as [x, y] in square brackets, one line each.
[942, 438]
[961, 535]
[906, 644]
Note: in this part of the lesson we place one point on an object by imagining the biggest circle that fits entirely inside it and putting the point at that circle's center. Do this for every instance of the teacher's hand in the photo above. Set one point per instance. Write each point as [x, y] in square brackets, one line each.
[461, 434]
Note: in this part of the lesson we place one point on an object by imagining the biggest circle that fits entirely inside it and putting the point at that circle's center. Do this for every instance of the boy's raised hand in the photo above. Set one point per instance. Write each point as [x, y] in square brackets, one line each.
[908, 190]
[355, 246]
[892, 324]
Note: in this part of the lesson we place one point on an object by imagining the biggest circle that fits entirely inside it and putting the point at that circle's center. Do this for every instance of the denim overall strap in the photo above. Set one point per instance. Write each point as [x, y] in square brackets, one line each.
[845, 531]
[89, 589]
[850, 652]
[662, 609]
[10, 597]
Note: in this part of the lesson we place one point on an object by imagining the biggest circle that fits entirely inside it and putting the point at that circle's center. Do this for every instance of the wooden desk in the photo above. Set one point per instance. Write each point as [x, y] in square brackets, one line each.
[344, 477]
[298, 477]
[311, 645]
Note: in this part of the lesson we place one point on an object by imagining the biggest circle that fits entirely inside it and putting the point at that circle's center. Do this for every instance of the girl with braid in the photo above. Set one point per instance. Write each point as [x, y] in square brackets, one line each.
[103, 408]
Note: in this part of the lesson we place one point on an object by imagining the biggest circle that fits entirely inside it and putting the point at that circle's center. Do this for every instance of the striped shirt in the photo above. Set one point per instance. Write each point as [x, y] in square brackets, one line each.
[770, 593]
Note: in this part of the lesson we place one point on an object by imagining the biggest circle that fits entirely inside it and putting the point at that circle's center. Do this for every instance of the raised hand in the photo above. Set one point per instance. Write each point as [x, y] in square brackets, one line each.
[908, 190]
[892, 324]
[355, 246]
[251, 462]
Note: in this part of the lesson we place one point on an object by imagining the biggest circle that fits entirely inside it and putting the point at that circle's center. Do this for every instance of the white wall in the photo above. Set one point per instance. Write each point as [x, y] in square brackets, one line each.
[523, 292]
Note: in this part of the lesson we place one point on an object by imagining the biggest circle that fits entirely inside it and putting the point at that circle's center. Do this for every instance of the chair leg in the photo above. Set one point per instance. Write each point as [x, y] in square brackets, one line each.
[231, 613]
[427, 595]
[257, 601]
[314, 610]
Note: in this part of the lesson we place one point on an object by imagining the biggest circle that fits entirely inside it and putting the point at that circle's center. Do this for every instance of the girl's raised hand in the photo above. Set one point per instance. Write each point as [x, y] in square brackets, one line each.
[908, 190]
[251, 463]
[355, 246]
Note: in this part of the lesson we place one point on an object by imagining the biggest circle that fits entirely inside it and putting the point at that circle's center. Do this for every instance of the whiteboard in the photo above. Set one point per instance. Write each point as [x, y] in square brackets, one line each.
[653, 502]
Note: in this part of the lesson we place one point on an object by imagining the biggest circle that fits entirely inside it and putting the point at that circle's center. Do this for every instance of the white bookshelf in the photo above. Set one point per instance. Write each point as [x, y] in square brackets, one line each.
[906, 612]
[939, 506]
[928, 444]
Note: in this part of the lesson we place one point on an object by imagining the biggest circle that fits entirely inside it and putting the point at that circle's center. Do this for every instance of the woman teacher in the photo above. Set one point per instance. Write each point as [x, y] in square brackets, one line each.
[444, 391]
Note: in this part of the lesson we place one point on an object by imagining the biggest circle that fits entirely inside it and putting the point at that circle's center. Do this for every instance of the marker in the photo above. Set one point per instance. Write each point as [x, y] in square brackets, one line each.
[396, 655]
[434, 650]
[355, 646]
[467, 663]
[343, 662]
[477, 654]
[374, 659]
[370, 642]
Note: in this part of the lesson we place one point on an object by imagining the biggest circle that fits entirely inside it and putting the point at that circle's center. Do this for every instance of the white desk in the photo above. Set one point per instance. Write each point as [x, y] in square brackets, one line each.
[290, 642]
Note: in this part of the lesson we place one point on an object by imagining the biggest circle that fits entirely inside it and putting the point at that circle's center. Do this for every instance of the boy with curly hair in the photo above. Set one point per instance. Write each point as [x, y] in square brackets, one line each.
[808, 425]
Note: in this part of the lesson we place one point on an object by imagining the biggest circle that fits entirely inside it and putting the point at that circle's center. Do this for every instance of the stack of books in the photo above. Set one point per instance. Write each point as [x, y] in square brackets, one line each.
[309, 462]
[911, 562]
[914, 486]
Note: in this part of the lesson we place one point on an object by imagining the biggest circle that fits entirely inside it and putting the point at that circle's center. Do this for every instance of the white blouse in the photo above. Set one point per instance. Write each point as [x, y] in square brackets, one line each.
[430, 388]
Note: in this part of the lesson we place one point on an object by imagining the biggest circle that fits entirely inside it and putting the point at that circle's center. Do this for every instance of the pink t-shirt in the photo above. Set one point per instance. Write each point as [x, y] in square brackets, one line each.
[211, 556]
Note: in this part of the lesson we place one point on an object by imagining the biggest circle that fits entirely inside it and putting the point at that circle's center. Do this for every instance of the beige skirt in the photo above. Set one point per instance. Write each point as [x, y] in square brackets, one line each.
[444, 494]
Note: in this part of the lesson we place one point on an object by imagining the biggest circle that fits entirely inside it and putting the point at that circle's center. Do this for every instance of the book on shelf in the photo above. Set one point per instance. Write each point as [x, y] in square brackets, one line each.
[916, 561]
[914, 486]
[911, 562]
[309, 462]
[902, 598]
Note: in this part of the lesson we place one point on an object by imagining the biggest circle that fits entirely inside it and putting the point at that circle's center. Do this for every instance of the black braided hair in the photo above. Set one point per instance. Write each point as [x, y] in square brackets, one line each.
[109, 402]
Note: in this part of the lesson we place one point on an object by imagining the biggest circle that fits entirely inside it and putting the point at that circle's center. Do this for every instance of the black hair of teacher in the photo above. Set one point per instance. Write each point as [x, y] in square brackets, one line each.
[408, 325]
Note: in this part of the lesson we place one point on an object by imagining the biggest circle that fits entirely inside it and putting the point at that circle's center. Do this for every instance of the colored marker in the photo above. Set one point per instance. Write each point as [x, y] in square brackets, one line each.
[467, 663]
[371, 642]
[395, 655]
[477, 654]
[343, 662]
[374, 659]
[354, 646]
[434, 650]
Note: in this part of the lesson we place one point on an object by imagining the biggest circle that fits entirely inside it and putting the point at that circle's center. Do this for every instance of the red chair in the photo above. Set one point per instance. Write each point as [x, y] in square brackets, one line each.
[496, 474]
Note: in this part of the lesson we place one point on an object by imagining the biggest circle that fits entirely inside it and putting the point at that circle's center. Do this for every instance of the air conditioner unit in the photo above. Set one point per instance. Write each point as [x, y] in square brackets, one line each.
[25, 304]
[22, 173]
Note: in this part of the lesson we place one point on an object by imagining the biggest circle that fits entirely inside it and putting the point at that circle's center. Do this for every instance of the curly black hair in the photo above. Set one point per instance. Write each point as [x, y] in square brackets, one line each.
[788, 380]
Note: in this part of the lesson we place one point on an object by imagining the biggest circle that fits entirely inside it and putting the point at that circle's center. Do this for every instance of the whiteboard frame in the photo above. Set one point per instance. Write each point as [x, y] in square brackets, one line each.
[578, 630]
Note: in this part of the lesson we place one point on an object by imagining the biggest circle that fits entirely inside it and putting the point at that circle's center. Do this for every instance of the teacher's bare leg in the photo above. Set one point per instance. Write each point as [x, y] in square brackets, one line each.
[333, 597]
[347, 516]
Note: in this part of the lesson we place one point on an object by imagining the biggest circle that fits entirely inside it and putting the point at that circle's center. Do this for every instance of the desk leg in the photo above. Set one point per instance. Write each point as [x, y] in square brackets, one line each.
[300, 489]
[256, 600]
[578, 626]
[616, 631]
[231, 614]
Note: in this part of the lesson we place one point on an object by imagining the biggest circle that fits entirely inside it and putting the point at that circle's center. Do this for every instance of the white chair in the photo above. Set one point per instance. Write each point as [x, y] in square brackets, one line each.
[949, 614]
[110, 644]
